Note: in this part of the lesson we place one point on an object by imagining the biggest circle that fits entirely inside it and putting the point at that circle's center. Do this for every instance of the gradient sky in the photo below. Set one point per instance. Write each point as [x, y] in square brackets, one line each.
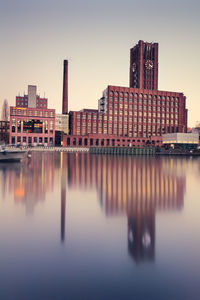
[96, 37]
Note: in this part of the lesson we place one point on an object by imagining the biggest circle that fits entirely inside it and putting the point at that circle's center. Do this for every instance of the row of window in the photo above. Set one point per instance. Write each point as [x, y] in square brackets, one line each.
[130, 118]
[140, 107]
[138, 132]
[141, 101]
[105, 142]
[144, 96]
[31, 140]
[31, 113]
[25, 99]
[119, 113]
[32, 126]
[130, 125]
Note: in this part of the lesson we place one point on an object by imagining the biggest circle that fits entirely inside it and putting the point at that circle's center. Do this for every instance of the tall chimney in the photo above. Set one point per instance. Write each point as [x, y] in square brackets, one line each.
[65, 88]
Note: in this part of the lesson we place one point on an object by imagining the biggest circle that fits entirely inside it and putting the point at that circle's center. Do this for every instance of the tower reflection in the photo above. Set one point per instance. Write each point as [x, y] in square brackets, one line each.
[135, 186]
[141, 235]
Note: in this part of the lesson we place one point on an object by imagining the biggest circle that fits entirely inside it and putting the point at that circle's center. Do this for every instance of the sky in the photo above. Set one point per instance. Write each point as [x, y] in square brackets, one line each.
[96, 37]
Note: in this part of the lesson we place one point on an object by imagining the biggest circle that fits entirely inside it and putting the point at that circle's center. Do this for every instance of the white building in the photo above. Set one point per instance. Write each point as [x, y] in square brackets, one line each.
[62, 123]
[181, 139]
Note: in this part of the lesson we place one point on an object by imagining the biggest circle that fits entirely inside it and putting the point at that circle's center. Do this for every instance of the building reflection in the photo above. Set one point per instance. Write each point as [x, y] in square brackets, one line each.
[135, 186]
[28, 181]
[126, 185]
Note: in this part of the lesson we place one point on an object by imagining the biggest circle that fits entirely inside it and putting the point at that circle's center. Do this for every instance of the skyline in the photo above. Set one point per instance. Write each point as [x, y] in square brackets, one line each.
[96, 39]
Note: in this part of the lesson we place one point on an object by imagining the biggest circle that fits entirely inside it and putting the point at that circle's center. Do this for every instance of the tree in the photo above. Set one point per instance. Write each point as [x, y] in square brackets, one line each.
[5, 111]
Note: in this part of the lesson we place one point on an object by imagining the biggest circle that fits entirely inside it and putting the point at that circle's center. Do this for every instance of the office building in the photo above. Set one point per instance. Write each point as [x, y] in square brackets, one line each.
[131, 116]
[31, 122]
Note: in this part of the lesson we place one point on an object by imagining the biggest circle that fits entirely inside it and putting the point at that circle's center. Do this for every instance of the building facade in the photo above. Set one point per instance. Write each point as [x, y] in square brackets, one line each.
[143, 113]
[131, 116]
[186, 141]
[62, 123]
[4, 131]
[31, 122]
[144, 66]
[61, 128]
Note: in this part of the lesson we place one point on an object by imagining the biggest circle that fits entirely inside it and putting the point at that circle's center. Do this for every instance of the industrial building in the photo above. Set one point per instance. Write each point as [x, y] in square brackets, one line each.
[31, 122]
[134, 116]
[187, 141]
[4, 131]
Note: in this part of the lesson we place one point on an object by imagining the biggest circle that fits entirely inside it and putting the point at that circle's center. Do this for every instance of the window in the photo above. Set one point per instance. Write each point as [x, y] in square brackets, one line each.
[13, 140]
[13, 125]
[18, 125]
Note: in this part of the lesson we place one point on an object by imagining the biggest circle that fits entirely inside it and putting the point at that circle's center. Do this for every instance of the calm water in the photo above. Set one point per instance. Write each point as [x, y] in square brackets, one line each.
[80, 226]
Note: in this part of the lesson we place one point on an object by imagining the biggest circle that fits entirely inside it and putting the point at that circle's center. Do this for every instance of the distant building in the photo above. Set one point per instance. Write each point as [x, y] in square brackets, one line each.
[31, 100]
[196, 130]
[61, 128]
[62, 123]
[181, 140]
[31, 122]
[131, 116]
[4, 131]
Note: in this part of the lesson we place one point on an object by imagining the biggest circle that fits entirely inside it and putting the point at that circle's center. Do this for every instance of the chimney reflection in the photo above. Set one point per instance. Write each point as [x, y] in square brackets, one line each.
[63, 168]
[135, 186]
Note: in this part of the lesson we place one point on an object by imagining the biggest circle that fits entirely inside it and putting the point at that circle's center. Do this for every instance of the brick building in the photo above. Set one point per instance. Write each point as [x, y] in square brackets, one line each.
[144, 66]
[131, 116]
[31, 122]
[4, 131]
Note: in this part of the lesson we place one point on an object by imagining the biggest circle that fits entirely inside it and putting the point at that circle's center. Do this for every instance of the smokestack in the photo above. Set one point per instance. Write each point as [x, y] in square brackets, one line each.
[65, 88]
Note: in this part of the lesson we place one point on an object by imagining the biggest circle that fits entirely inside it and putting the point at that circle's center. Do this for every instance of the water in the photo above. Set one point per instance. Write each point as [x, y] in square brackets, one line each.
[81, 226]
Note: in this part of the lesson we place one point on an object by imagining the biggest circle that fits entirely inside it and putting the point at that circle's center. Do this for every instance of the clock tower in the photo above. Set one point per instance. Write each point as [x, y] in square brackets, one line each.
[144, 66]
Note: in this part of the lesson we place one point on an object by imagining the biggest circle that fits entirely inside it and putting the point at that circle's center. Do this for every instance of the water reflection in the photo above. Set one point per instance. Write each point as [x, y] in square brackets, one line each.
[29, 181]
[133, 186]
[63, 168]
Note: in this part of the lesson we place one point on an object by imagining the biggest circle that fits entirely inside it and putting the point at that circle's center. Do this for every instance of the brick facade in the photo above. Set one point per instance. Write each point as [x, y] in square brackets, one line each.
[144, 66]
[31, 126]
[4, 131]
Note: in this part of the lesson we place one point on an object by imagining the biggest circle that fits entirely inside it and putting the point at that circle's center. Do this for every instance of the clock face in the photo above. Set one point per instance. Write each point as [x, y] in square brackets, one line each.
[134, 67]
[149, 64]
